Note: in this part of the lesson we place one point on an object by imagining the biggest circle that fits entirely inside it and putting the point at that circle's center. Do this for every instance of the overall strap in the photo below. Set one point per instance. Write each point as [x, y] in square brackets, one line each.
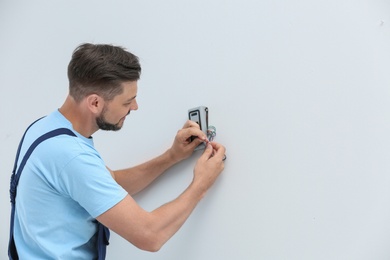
[15, 181]
[12, 253]
[103, 233]
[103, 238]
[20, 145]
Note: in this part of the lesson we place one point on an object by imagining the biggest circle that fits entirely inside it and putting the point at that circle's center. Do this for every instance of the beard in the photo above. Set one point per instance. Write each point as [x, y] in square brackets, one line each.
[104, 125]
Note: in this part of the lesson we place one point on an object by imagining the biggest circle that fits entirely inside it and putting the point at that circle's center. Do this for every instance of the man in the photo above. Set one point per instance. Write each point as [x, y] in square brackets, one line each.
[66, 187]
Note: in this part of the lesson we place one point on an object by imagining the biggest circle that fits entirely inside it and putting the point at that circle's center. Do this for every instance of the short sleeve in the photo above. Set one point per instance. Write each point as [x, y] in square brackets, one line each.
[86, 180]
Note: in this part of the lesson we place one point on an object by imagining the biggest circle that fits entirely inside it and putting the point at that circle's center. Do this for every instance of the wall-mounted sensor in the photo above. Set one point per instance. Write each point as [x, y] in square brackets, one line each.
[200, 115]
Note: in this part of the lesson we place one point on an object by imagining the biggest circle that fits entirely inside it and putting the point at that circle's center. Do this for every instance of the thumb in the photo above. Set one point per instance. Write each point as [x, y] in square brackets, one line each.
[208, 152]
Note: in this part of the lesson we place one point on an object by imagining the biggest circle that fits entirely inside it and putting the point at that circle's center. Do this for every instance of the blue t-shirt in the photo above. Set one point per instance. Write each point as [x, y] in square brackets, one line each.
[65, 185]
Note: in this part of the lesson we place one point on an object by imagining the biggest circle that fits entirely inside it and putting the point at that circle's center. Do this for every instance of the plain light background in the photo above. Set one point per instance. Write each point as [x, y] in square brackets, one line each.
[299, 92]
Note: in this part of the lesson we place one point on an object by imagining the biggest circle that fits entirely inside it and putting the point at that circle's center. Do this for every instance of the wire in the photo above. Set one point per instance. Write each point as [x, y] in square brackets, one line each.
[211, 133]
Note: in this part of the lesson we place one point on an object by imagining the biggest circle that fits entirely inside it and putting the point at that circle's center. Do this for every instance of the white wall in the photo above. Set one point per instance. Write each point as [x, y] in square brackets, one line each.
[299, 91]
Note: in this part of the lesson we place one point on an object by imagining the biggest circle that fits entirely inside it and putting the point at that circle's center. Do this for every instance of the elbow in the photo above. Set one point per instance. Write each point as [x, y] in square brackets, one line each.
[153, 249]
[150, 247]
[149, 242]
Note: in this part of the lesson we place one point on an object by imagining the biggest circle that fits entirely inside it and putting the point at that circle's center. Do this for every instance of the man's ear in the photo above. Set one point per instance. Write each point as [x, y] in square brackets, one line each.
[95, 103]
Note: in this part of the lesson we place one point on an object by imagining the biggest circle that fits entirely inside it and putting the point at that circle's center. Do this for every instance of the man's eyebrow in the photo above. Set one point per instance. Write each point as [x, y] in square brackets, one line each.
[130, 99]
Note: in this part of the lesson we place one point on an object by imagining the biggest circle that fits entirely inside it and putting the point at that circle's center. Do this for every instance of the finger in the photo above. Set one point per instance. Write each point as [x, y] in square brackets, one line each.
[219, 150]
[217, 146]
[208, 152]
[190, 123]
[191, 131]
[194, 143]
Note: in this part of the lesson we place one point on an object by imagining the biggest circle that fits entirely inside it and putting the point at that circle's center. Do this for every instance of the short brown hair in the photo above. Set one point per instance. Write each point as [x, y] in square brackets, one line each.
[100, 69]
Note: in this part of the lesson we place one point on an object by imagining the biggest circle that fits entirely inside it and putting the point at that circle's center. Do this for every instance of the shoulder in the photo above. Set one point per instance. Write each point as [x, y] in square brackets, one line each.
[67, 139]
[57, 151]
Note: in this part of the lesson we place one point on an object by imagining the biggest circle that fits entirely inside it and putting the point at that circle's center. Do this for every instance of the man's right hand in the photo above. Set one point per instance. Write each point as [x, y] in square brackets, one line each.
[209, 166]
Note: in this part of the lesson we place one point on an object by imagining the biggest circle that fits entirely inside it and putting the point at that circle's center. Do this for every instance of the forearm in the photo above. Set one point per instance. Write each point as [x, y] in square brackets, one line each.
[136, 178]
[151, 230]
[167, 220]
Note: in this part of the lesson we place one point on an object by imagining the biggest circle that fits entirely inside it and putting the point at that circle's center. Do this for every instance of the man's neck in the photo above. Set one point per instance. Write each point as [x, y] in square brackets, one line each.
[82, 121]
